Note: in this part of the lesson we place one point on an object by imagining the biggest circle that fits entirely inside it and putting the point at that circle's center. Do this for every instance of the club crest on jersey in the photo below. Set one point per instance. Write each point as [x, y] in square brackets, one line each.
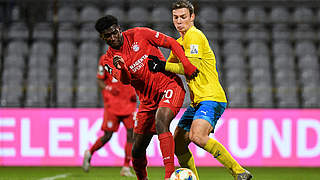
[135, 47]
[194, 49]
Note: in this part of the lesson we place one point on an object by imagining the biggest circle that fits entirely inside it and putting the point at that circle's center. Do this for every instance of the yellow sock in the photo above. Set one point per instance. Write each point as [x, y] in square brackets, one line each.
[186, 161]
[223, 156]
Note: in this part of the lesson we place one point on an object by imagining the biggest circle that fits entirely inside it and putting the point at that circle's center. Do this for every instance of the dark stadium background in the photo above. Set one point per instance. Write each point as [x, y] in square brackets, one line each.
[267, 53]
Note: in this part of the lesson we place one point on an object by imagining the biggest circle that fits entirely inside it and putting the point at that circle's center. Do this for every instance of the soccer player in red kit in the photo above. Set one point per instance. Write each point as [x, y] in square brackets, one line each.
[119, 106]
[161, 95]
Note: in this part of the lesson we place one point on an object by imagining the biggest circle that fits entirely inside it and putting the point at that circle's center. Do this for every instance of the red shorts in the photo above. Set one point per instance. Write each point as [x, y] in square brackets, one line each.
[172, 98]
[111, 121]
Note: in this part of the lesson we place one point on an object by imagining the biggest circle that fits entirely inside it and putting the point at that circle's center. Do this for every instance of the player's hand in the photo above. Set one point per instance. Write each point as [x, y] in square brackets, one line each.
[155, 64]
[118, 62]
[193, 75]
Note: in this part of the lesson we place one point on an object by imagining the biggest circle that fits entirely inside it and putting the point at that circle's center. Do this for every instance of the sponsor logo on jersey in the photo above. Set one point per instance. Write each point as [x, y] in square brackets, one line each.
[135, 47]
[138, 64]
[194, 49]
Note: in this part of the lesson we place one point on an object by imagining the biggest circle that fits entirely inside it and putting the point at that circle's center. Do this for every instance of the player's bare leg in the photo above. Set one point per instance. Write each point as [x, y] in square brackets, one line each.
[97, 145]
[163, 118]
[184, 155]
[125, 170]
[199, 134]
[139, 159]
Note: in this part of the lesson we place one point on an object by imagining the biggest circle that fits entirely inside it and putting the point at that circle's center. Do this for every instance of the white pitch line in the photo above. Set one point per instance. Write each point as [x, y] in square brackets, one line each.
[55, 177]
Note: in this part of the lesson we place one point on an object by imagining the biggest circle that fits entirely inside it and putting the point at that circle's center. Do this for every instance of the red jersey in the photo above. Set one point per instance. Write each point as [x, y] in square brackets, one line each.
[120, 99]
[138, 44]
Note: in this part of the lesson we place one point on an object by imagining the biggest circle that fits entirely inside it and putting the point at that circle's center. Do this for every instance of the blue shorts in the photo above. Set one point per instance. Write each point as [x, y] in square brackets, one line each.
[210, 111]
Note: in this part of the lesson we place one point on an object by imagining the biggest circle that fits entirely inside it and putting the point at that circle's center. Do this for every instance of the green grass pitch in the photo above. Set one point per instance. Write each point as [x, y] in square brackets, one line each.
[155, 173]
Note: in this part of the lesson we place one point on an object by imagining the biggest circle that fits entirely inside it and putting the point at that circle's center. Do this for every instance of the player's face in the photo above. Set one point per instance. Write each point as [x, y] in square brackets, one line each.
[182, 20]
[113, 36]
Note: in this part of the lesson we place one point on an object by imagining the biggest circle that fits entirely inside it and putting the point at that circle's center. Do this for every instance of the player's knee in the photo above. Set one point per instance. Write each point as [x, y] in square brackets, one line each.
[195, 138]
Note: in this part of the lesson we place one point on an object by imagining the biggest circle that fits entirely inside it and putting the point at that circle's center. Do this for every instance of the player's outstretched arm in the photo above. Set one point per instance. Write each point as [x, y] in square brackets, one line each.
[162, 40]
[156, 65]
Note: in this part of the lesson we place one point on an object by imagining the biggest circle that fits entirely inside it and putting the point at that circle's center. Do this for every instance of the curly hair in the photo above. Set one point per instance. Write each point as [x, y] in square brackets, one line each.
[105, 22]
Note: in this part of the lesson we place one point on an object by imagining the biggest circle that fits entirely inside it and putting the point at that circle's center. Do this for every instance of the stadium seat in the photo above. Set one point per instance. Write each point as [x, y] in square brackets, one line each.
[161, 15]
[89, 48]
[67, 32]
[118, 12]
[261, 76]
[138, 16]
[256, 15]
[235, 76]
[256, 48]
[237, 96]
[38, 75]
[304, 32]
[257, 32]
[39, 61]
[41, 48]
[234, 62]
[309, 77]
[310, 96]
[18, 31]
[14, 61]
[66, 48]
[36, 95]
[232, 32]
[233, 47]
[65, 60]
[89, 14]
[17, 47]
[88, 62]
[232, 14]
[285, 77]
[281, 48]
[303, 48]
[212, 33]
[208, 15]
[309, 61]
[303, 15]
[286, 97]
[279, 15]
[281, 32]
[259, 61]
[261, 96]
[88, 32]
[12, 75]
[214, 45]
[68, 14]
[86, 96]
[42, 31]
[11, 95]
[284, 62]
[64, 94]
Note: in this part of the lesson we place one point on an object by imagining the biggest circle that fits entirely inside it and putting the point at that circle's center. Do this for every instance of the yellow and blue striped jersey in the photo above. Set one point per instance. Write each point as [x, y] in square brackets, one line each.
[206, 85]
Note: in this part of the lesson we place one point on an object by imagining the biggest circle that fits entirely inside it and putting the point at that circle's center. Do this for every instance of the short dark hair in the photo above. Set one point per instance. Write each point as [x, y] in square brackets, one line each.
[105, 22]
[183, 4]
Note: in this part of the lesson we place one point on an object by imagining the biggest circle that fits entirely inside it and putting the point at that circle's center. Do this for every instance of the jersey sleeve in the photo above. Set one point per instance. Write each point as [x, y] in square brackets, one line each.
[100, 71]
[193, 45]
[159, 39]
